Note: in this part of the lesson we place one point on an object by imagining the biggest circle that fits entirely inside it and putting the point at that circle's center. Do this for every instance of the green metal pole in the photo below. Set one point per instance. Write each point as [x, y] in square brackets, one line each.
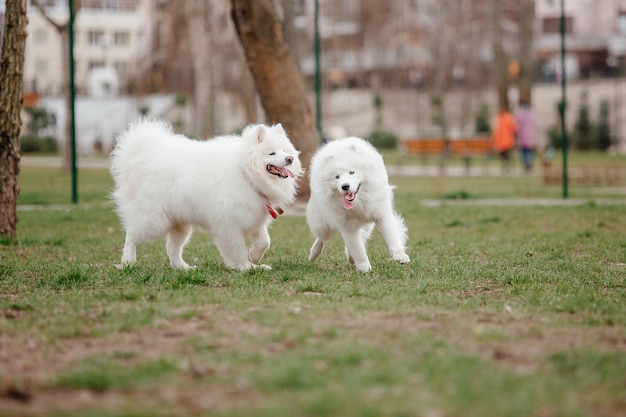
[563, 104]
[318, 75]
[72, 115]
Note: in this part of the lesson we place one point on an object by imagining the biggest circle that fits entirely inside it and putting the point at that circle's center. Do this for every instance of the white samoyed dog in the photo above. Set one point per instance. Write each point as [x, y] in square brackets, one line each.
[230, 186]
[350, 192]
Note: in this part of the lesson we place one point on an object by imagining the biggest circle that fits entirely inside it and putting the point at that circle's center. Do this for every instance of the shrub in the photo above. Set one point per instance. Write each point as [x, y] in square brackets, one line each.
[383, 139]
[35, 144]
[144, 110]
[554, 137]
[180, 99]
[481, 120]
[38, 119]
[583, 128]
[602, 132]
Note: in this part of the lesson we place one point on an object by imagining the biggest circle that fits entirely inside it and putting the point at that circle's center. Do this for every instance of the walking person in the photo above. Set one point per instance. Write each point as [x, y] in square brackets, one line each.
[525, 120]
[503, 137]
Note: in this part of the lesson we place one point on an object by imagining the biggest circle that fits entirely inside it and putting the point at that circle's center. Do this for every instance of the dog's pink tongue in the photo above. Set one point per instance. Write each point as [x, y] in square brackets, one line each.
[285, 171]
[347, 204]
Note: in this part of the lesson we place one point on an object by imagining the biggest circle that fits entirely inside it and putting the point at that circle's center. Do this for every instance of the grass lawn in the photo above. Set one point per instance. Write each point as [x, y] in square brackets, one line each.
[503, 311]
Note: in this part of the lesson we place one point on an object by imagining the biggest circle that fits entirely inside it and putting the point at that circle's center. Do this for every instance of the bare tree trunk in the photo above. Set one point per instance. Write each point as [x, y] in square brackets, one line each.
[500, 58]
[11, 73]
[527, 57]
[199, 19]
[441, 62]
[278, 79]
[248, 92]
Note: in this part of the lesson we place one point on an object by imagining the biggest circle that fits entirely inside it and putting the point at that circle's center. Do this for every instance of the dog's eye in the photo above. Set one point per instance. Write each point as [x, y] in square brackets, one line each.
[272, 153]
[351, 172]
[336, 177]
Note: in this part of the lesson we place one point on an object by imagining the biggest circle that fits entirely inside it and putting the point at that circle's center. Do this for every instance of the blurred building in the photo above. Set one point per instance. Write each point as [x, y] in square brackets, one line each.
[595, 37]
[110, 35]
[403, 43]
[140, 44]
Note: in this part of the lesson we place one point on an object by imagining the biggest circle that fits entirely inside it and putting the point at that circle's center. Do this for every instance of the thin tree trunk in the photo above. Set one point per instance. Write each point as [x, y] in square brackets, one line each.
[500, 58]
[248, 92]
[11, 73]
[527, 57]
[278, 79]
[202, 55]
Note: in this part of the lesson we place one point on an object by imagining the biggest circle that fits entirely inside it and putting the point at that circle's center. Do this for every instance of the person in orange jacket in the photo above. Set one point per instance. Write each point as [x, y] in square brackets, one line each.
[503, 136]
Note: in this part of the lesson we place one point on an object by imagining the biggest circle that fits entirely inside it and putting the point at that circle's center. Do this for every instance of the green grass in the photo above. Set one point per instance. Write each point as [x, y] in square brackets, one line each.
[508, 311]
[45, 185]
[503, 311]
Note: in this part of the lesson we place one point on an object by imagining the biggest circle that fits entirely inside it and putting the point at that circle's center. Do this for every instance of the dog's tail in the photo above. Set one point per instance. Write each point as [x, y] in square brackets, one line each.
[132, 140]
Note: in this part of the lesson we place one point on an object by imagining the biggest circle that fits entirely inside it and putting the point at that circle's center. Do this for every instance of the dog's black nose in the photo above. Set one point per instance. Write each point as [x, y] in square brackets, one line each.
[289, 160]
[345, 187]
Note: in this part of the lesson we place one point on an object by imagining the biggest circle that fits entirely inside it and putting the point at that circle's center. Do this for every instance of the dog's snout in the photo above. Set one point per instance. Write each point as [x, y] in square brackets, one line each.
[345, 187]
[289, 160]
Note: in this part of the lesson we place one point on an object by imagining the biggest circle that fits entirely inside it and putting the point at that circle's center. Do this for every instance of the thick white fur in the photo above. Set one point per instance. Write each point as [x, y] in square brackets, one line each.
[346, 166]
[167, 184]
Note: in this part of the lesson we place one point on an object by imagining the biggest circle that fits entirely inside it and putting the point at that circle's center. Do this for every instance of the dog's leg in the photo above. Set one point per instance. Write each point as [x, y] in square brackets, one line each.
[365, 234]
[177, 238]
[392, 228]
[260, 244]
[316, 249]
[129, 253]
[322, 232]
[232, 247]
[355, 249]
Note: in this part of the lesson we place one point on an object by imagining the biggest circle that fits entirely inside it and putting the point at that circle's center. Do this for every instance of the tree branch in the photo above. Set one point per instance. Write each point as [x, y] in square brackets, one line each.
[60, 27]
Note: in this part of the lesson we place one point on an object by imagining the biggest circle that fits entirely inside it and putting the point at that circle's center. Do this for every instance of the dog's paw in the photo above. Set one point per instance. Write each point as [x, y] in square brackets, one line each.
[263, 266]
[125, 264]
[364, 267]
[184, 266]
[402, 259]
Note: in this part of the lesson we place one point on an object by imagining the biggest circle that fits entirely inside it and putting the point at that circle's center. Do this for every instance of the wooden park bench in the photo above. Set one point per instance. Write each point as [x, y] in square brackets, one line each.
[466, 148]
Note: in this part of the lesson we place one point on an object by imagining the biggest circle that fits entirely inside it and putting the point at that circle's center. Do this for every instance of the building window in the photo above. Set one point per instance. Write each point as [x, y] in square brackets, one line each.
[121, 67]
[115, 5]
[553, 24]
[621, 24]
[121, 38]
[95, 64]
[96, 38]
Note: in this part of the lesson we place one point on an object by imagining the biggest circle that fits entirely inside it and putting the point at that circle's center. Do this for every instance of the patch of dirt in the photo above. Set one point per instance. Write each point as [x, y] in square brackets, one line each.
[28, 365]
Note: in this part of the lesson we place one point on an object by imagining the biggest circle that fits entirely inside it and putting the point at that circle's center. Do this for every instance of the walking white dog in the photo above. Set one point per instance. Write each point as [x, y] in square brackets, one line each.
[230, 186]
[350, 192]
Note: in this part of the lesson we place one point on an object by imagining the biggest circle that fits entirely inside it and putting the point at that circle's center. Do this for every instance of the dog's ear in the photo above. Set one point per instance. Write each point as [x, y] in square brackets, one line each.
[255, 131]
[260, 134]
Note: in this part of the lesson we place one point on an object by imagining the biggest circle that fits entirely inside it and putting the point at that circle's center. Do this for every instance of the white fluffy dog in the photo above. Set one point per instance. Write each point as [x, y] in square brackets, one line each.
[350, 192]
[230, 186]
